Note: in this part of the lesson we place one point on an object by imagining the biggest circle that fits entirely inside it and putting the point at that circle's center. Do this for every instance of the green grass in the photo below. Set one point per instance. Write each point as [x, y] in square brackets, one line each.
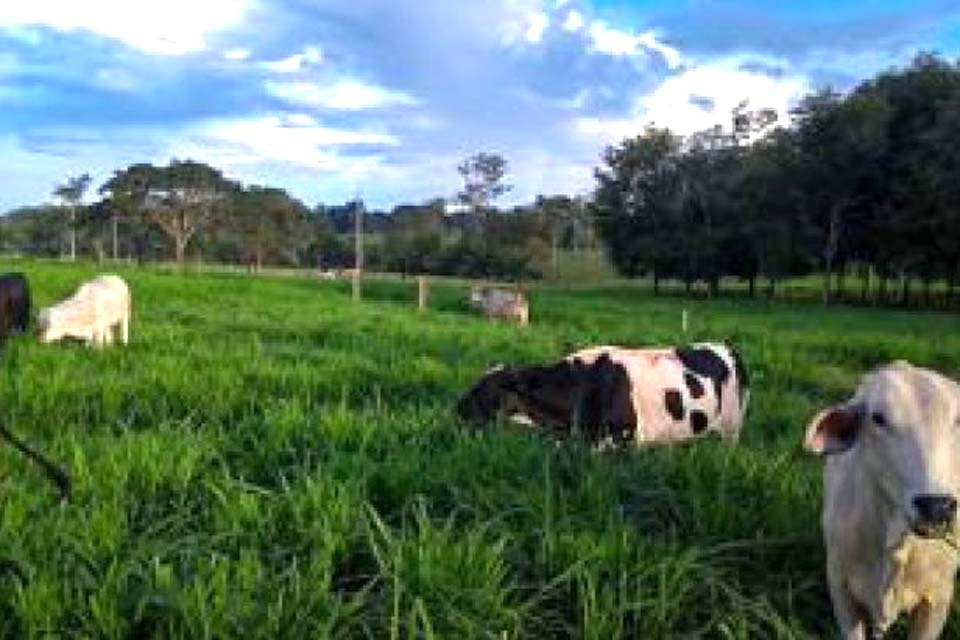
[267, 460]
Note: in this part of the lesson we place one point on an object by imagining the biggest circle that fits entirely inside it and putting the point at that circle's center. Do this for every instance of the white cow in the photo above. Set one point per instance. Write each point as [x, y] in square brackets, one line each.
[891, 482]
[501, 303]
[90, 314]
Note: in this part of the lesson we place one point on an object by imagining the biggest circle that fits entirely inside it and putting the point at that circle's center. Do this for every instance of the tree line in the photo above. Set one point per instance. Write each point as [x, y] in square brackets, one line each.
[189, 210]
[861, 184]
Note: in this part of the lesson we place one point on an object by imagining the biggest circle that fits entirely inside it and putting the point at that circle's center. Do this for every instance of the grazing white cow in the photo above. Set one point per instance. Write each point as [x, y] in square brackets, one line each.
[90, 314]
[891, 482]
[642, 396]
[501, 303]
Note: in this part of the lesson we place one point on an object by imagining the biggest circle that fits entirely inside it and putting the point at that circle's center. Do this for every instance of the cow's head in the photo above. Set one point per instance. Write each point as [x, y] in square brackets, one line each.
[903, 426]
[45, 326]
[493, 394]
[477, 294]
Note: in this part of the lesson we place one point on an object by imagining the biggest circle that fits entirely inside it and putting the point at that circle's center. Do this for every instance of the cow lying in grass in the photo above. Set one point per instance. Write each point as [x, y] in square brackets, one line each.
[891, 484]
[618, 395]
[90, 314]
[501, 303]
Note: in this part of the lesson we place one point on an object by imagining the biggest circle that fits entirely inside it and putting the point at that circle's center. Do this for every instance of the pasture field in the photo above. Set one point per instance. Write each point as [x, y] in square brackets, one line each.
[268, 460]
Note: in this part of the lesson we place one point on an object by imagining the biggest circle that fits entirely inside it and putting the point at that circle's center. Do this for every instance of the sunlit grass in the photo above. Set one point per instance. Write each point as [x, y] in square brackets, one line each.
[267, 460]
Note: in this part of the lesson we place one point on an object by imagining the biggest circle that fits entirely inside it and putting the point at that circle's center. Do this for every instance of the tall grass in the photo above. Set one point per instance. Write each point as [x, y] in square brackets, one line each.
[268, 460]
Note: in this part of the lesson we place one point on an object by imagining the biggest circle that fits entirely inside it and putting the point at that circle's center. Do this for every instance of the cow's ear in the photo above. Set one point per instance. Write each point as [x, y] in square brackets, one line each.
[833, 430]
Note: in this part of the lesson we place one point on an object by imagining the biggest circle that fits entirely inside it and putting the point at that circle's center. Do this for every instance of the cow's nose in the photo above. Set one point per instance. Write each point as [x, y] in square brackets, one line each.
[936, 509]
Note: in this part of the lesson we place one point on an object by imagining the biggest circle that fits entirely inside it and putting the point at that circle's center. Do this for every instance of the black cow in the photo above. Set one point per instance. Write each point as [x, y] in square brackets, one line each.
[14, 303]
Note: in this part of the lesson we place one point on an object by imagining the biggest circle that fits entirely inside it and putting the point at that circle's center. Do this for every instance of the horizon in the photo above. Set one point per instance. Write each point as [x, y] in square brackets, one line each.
[329, 100]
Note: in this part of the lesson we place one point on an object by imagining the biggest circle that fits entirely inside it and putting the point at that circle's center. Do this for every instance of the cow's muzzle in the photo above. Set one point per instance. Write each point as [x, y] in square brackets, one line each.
[935, 513]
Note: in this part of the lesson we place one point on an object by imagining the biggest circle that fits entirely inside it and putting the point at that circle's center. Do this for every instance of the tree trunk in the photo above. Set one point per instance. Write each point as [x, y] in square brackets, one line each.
[753, 286]
[926, 291]
[841, 280]
[656, 283]
[771, 287]
[714, 286]
[951, 289]
[905, 291]
[115, 243]
[865, 285]
[830, 251]
[882, 290]
[73, 234]
[555, 257]
[180, 244]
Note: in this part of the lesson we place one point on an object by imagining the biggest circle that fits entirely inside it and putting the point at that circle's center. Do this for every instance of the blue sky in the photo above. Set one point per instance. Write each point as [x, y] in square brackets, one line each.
[378, 97]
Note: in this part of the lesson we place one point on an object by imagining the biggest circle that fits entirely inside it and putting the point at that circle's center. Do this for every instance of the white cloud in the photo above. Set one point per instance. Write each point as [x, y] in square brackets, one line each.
[345, 95]
[236, 55]
[574, 21]
[172, 27]
[296, 139]
[116, 80]
[717, 88]
[310, 56]
[614, 42]
[537, 23]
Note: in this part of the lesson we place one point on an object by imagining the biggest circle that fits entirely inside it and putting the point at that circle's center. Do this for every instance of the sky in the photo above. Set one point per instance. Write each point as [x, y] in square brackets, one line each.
[383, 98]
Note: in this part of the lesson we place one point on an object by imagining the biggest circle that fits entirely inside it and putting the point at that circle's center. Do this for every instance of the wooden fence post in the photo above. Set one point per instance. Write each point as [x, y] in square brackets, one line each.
[423, 293]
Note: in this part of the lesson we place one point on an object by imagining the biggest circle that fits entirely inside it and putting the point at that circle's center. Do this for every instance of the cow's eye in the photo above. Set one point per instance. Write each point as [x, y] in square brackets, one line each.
[879, 419]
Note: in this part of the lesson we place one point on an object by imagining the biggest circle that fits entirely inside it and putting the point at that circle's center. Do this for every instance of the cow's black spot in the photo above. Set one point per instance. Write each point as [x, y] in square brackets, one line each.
[705, 362]
[698, 421]
[674, 404]
[693, 384]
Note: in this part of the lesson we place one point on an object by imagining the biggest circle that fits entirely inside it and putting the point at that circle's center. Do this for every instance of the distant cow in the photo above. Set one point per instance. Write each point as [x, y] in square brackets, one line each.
[618, 395]
[502, 303]
[90, 314]
[14, 303]
[891, 482]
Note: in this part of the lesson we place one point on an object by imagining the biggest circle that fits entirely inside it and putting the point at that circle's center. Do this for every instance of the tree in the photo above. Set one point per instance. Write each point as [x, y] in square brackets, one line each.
[126, 195]
[72, 192]
[842, 145]
[483, 180]
[266, 220]
[187, 197]
[635, 204]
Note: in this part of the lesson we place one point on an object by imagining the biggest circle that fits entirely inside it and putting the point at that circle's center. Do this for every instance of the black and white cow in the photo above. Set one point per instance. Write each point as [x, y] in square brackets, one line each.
[644, 396]
[14, 303]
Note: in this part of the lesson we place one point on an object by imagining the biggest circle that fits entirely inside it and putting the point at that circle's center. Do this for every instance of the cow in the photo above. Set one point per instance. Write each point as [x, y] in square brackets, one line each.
[90, 314]
[616, 395]
[56, 475]
[497, 302]
[891, 483]
[14, 304]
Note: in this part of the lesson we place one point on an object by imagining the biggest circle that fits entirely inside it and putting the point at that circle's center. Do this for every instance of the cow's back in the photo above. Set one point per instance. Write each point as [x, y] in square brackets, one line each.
[675, 397]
